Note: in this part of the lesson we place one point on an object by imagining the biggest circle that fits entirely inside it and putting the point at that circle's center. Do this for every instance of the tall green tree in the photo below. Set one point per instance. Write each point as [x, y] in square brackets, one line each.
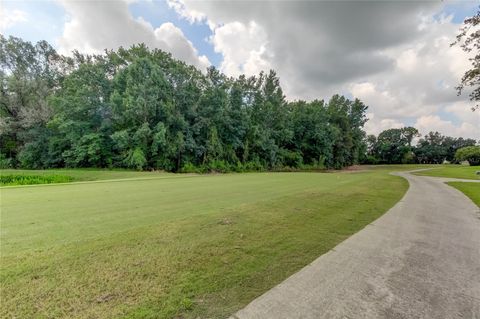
[29, 74]
[393, 146]
[83, 117]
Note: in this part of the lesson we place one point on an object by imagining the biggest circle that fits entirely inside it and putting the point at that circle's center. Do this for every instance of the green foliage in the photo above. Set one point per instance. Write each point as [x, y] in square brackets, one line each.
[189, 168]
[5, 162]
[469, 40]
[408, 158]
[435, 148]
[88, 152]
[470, 154]
[136, 159]
[142, 109]
[29, 74]
[394, 146]
[10, 180]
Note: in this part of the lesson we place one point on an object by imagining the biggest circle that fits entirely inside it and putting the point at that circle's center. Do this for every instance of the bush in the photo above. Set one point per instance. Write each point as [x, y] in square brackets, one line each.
[218, 166]
[5, 162]
[189, 168]
[471, 154]
[136, 159]
[290, 158]
[9, 180]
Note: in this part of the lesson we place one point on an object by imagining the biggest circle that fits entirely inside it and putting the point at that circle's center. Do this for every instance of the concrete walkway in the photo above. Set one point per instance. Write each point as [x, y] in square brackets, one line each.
[421, 259]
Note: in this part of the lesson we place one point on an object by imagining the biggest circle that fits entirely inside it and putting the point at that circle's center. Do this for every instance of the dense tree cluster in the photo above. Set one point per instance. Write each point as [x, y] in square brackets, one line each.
[140, 108]
[394, 146]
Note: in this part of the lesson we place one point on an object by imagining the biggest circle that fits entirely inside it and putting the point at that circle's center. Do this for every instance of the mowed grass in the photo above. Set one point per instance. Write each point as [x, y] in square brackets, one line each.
[453, 171]
[174, 247]
[472, 190]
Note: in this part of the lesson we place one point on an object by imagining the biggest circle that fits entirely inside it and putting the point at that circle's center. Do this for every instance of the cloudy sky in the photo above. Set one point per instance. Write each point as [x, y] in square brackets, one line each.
[393, 55]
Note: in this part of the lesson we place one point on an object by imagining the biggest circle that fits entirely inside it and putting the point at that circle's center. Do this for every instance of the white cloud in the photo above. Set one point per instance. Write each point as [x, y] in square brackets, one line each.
[376, 125]
[243, 47]
[395, 56]
[435, 123]
[9, 18]
[462, 112]
[421, 86]
[191, 15]
[97, 25]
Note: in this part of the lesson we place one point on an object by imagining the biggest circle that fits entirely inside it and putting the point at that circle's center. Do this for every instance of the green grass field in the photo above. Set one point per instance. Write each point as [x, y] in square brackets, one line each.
[453, 171]
[173, 246]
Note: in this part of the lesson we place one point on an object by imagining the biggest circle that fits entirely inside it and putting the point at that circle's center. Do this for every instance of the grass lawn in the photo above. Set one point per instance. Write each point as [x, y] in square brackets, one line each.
[174, 247]
[453, 171]
[472, 190]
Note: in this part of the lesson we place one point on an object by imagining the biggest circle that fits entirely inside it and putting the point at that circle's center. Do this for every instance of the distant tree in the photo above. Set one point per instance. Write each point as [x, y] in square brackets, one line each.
[436, 148]
[430, 149]
[452, 144]
[469, 41]
[470, 154]
[409, 133]
[392, 146]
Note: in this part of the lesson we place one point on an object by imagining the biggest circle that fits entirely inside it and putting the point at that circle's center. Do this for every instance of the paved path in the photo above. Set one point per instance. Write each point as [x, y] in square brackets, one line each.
[421, 259]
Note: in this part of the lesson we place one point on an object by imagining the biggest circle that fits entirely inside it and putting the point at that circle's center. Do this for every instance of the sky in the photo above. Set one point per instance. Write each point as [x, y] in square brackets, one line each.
[393, 55]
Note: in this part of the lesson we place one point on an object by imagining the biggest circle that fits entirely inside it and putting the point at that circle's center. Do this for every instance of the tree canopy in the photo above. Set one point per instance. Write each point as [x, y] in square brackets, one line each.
[395, 146]
[142, 109]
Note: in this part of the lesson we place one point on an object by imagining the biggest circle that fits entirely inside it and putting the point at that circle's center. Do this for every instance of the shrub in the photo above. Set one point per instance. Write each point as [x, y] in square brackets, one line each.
[218, 166]
[254, 165]
[471, 154]
[5, 162]
[290, 158]
[9, 180]
[136, 159]
[189, 168]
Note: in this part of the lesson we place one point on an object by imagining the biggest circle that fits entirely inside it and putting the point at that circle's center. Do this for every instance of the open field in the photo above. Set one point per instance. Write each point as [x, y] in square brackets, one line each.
[453, 171]
[179, 246]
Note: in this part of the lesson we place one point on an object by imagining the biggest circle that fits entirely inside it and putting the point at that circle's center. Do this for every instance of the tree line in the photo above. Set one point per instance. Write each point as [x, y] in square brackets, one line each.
[140, 108]
[395, 146]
